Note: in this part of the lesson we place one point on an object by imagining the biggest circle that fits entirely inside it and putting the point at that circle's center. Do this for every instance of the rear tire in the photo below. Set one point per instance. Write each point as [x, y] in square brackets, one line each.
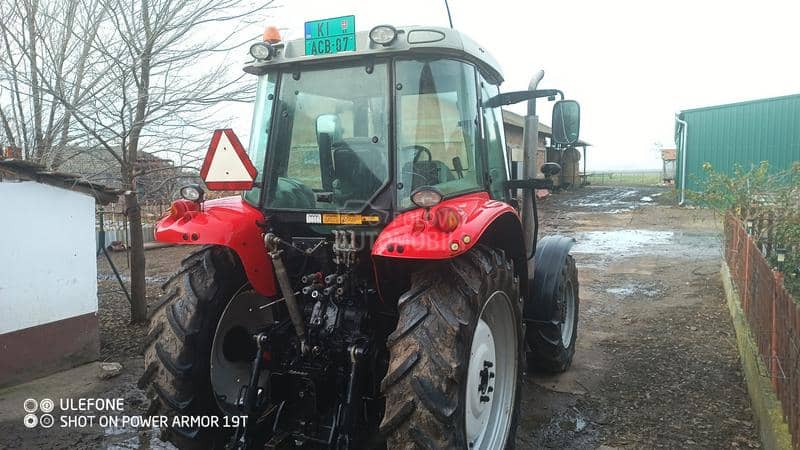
[177, 348]
[429, 398]
[551, 346]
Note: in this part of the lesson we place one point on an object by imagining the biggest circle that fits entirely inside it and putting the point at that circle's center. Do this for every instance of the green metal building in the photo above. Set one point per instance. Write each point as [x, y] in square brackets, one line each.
[744, 133]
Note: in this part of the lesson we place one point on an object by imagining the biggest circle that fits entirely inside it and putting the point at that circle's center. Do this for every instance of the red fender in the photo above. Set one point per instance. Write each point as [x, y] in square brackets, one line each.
[411, 235]
[226, 221]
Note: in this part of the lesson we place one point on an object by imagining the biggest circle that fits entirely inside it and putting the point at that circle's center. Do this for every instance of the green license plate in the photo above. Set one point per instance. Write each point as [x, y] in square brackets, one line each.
[329, 36]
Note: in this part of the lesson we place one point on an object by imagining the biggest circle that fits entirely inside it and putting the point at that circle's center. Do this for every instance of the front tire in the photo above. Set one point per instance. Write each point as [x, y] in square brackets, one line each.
[177, 348]
[552, 345]
[454, 375]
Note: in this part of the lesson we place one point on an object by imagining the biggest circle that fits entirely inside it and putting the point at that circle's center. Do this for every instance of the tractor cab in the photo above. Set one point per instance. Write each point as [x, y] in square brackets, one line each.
[362, 129]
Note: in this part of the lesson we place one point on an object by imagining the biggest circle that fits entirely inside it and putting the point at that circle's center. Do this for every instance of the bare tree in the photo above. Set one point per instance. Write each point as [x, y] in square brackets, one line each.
[121, 77]
[167, 66]
[45, 47]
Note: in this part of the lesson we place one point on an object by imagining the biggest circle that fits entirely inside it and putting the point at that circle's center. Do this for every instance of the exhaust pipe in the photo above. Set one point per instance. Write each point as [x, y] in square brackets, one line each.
[530, 140]
[272, 243]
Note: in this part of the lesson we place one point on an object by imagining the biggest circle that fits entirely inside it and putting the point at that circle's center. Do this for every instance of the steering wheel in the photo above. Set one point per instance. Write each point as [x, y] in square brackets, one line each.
[418, 151]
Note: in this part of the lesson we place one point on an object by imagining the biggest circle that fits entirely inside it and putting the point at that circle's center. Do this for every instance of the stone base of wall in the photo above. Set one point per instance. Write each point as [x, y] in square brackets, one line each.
[44, 349]
[773, 430]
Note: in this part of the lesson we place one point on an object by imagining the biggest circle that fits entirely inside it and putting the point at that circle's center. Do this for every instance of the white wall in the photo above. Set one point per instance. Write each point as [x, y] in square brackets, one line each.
[48, 269]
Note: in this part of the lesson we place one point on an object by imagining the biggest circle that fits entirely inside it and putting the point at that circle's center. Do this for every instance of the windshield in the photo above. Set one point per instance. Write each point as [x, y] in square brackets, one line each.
[331, 134]
[331, 139]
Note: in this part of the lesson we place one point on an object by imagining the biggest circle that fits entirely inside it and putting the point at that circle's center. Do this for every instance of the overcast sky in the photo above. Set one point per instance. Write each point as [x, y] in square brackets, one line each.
[631, 64]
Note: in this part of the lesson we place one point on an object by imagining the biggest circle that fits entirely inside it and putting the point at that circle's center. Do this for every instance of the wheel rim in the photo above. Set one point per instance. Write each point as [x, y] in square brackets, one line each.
[232, 349]
[492, 375]
[568, 326]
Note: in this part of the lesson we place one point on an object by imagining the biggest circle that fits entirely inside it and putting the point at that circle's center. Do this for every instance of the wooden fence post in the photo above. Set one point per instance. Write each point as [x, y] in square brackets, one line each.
[773, 341]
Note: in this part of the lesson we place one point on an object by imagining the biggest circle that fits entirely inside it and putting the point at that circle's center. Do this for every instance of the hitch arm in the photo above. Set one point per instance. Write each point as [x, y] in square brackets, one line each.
[251, 394]
[273, 242]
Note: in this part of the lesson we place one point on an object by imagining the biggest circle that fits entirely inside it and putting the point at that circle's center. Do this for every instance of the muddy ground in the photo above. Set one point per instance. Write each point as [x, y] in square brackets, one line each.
[656, 364]
[655, 367]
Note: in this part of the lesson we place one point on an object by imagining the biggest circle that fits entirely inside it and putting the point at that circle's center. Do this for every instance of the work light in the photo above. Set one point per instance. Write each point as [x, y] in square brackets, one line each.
[383, 35]
[193, 193]
[261, 51]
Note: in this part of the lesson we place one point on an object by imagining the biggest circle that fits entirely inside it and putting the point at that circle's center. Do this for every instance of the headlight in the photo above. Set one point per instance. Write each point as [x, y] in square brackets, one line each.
[193, 193]
[261, 51]
[383, 34]
[426, 197]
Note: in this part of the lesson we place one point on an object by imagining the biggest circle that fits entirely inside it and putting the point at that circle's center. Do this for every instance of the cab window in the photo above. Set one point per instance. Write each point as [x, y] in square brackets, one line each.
[437, 113]
[495, 141]
[259, 133]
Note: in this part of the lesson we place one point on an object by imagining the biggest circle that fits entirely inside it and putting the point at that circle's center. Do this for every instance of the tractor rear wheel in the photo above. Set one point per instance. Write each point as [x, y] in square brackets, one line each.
[454, 374]
[552, 345]
[177, 348]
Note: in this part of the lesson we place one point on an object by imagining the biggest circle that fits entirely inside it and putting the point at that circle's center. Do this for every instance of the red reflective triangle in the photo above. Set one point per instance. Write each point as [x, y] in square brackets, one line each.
[236, 172]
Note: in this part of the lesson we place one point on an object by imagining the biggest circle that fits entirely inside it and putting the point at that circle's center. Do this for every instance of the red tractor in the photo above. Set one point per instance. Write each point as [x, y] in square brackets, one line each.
[378, 284]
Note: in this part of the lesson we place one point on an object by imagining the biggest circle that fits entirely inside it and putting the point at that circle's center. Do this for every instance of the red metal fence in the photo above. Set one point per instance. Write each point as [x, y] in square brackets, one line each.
[773, 315]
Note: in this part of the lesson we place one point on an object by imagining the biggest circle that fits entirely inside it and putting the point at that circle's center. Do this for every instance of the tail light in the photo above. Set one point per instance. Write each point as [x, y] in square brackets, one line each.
[447, 219]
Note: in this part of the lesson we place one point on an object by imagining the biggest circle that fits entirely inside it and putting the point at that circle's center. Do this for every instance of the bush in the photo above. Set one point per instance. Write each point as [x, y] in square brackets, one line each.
[769, 200]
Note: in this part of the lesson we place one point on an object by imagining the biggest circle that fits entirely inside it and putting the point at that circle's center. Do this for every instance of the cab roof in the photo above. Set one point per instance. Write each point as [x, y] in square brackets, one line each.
[411, 41]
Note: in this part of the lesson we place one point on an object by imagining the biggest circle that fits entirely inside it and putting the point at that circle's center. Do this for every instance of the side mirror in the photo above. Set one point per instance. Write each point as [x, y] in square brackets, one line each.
[328, 124]
[566, 122]
[550, 168]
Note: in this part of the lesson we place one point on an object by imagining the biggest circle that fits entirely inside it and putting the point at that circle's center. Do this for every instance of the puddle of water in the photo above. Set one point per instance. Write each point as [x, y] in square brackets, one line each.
[614, 200]
[626, 243]
[648, 290]
[580, 423]
[622, 291]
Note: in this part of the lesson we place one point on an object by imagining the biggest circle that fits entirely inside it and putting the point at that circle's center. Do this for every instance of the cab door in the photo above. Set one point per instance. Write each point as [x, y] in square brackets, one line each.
[494, 143]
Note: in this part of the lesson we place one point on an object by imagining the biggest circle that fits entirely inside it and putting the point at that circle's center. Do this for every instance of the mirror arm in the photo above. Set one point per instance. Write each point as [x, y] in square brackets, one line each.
[531, 184]
[510, 98]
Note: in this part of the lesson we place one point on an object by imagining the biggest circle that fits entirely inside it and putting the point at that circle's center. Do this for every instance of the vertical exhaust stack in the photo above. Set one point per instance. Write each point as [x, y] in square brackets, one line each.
[530, 143]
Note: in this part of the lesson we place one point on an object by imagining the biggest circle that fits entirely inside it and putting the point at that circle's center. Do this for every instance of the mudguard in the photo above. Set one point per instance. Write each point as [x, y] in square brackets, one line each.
[412, 236]
[551, 252]
[229, 221]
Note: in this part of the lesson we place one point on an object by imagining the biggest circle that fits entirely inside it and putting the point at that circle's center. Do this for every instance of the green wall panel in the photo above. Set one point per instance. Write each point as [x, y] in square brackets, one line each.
[745, 133]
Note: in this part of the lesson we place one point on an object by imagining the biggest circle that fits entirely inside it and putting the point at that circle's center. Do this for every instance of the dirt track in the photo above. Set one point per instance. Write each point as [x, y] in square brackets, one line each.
[656, 364]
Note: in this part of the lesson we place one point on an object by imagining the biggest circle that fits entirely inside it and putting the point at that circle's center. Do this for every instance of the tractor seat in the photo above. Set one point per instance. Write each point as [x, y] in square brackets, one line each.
[353, 179]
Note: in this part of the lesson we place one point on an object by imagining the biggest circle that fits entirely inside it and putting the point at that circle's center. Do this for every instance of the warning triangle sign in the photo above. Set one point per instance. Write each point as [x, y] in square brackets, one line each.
[226, 166]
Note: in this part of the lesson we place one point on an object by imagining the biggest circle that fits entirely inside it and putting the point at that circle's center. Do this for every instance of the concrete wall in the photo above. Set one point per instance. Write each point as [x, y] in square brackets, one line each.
[48, 279]
[48, 269]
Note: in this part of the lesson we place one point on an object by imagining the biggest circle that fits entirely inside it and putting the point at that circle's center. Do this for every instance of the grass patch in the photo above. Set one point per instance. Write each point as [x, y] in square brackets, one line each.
[625, 178]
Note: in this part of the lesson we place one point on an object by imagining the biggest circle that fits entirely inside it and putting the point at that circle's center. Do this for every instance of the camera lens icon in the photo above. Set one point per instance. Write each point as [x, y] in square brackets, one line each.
[46, 405]
[30, 420]
[30, 405]
[46, 421]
